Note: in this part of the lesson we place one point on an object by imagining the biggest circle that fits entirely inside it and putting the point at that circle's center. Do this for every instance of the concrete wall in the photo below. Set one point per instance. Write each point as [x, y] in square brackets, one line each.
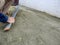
[49, 6]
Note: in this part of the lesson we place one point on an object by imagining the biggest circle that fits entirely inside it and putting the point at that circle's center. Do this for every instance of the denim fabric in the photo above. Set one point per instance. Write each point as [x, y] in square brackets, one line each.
[3, 18]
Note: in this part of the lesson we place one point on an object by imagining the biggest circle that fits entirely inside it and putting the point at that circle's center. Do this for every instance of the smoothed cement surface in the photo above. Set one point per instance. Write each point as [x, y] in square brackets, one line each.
[32, 28]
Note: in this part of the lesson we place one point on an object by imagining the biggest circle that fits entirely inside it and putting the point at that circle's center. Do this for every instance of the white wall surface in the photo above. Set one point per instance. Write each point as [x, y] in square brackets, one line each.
[49, 6]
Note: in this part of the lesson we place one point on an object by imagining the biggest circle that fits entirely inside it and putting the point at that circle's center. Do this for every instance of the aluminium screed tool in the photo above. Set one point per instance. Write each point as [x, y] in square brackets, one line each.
[8, 26]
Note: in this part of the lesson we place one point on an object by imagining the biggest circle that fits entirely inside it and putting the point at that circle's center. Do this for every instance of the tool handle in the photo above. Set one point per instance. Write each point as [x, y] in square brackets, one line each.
[8, 26]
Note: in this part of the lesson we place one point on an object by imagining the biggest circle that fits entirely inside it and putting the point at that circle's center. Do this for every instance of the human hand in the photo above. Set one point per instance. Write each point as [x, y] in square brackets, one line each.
[11, 20]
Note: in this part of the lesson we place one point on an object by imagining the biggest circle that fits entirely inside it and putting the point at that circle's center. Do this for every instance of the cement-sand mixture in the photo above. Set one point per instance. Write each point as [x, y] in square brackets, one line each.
[32, 28]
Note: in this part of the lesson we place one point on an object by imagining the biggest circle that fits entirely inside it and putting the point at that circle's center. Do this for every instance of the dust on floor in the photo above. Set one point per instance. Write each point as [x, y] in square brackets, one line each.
[32, 28]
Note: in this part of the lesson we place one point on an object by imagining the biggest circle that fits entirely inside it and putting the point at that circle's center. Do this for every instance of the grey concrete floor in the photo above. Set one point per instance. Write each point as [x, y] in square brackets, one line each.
[32, 28]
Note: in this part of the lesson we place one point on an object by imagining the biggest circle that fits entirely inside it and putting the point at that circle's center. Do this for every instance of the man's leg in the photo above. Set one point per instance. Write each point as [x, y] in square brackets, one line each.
[7, 6]
[16, 2]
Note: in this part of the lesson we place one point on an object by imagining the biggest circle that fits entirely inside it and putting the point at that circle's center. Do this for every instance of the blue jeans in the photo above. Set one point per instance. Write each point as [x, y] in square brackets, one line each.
[3, 18]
